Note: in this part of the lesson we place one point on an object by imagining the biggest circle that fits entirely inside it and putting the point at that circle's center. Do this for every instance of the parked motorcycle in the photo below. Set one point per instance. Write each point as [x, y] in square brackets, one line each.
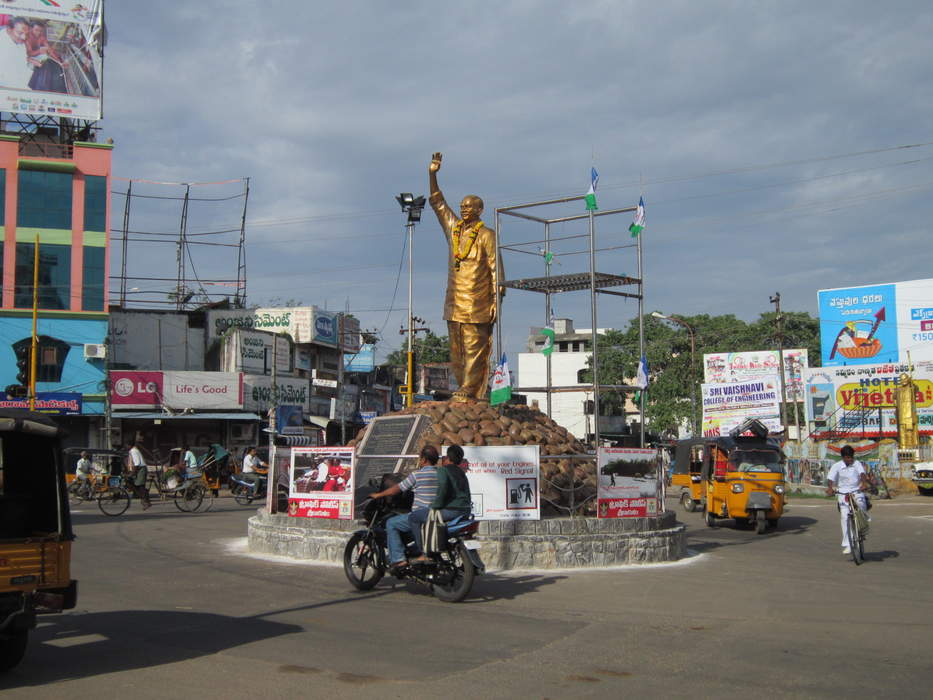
[449, 573]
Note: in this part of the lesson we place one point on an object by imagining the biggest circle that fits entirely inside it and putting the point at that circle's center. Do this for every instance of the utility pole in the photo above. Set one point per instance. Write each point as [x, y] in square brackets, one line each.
[779, 334]
[412, 206]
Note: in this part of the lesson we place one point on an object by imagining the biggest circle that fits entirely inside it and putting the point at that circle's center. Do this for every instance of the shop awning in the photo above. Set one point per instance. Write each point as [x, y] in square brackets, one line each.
[294, 441]
[186, 416]
[319, 421]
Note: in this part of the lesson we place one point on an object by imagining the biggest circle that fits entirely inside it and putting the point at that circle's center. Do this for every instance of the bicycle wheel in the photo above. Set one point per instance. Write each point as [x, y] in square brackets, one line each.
[76, 493]
[853, 538]
[114, 501]
[361, 562]
[189, 499]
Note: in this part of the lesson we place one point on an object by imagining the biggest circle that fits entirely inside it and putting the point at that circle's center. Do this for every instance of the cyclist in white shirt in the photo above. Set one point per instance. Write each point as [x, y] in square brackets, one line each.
[84, 468]
[847, 476]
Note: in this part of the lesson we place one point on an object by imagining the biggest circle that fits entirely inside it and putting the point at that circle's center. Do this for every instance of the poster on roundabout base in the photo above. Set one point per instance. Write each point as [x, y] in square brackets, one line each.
[320, 483]
[504, 481]
[627, 482]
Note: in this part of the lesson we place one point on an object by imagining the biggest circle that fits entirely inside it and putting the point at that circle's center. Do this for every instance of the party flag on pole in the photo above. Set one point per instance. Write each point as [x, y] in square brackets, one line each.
[591, 194]
[501, 383]
[548, 347]
[641, 380]
[639, 223]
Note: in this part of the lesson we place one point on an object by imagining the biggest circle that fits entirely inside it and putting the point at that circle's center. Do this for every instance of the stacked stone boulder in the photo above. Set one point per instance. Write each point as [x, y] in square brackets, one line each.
[565, 481]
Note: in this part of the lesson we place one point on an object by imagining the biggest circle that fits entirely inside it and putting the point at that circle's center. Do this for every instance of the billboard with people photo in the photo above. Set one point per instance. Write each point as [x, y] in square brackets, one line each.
[51, 58]
[321, 483]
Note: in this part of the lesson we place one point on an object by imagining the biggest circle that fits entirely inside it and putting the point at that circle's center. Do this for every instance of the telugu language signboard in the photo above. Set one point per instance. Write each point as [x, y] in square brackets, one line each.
[862, 398]
[321, 483]
[627, 483]
[876, 324]
[51, 58]
[504, 481]
[726, 406]
[293, 320]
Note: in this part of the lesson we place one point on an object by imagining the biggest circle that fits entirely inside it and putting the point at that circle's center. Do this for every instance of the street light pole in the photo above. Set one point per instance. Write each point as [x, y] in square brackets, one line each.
[412, 206]
[693, 367]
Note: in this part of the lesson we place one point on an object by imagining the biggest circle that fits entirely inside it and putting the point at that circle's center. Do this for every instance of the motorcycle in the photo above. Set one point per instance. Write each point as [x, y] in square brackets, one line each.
[449, 573]
[245, 492]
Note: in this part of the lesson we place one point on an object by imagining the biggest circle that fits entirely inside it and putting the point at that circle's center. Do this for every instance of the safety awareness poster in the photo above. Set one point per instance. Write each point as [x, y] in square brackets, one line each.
[627, 483]
[504, 481]
[321, 483]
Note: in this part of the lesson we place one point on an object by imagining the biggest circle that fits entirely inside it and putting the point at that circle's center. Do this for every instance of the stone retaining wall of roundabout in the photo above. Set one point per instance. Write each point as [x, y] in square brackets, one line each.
[552, 543]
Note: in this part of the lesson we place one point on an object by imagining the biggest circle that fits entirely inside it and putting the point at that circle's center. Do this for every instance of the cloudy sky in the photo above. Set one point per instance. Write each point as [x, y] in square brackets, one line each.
[779, 146]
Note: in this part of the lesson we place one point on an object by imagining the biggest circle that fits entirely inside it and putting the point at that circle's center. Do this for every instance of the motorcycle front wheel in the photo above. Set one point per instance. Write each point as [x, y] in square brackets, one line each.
[243, 494]
[461, 582]
[361, 562]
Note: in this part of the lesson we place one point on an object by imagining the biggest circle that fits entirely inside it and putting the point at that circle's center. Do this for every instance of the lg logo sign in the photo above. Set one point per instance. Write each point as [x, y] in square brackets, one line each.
[127, 387]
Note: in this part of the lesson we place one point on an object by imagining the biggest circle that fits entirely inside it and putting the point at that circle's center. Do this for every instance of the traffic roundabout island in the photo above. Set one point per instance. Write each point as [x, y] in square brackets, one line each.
[550, 543]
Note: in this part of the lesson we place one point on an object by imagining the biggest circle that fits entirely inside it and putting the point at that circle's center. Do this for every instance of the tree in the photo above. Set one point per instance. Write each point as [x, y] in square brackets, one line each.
[427, 348]
[672, 377]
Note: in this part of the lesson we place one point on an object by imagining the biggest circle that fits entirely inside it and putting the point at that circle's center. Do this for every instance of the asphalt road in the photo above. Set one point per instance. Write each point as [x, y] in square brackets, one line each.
[171, 607]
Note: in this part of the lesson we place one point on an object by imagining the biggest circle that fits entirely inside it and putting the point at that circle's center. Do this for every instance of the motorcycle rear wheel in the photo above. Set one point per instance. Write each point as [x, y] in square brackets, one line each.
[361, 563]
[243, 494]
[464, 573]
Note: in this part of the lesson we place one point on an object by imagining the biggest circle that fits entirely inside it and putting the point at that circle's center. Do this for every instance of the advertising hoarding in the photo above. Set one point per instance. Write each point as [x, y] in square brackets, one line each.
[627, 483]
[726, 406]
[253, 352]
[504, 481]
[729, 367]
[293, 320]
[325, 329]
[362, 361]
[289, 420]
[321, 483]
[259, 395]
[349, 333]
[862, 398]
[57, 403]
[176, 390]
[876, 324]
[51, 58]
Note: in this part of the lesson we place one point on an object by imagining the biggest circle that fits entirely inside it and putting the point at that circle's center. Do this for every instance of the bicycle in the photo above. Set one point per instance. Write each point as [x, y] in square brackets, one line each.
[857, 528]
[82, 490]
[115, 497]
[187, 496]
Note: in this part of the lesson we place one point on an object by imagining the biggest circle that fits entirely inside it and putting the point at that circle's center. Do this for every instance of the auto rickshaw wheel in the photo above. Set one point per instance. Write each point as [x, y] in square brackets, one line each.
[708, 518]
[686, 500]
[12, 649]
[760, 522]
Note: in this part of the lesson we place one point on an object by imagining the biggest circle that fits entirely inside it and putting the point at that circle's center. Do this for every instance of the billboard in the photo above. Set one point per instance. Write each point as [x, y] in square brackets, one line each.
[862, 398]
[364, 360]
[729, 367]
[326, 329]
[51, 58]
[260, 394]
[321, 483]
[876, 324]
[176, 390]
[726, 406]
[293, 320]
[627, 483]
[504, 481]
[253, 351]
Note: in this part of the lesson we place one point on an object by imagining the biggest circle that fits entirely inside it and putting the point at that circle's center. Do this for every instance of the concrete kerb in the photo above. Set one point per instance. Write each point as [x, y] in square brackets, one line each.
[553, 543]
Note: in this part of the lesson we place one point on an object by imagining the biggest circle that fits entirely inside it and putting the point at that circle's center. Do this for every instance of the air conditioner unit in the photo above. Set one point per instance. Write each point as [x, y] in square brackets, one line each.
[95, 351]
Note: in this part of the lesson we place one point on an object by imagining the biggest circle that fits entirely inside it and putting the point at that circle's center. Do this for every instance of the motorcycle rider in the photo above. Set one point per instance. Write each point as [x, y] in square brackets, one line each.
[254, 470]
[424, 483]
[452, 497]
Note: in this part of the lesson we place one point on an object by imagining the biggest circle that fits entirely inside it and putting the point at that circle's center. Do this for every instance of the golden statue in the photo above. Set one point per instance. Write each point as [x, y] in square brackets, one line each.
[905, 409]
[470, 304]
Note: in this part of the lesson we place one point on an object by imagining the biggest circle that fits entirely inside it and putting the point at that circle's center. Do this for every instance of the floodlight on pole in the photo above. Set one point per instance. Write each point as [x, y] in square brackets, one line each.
[693, 380]
[412, 206]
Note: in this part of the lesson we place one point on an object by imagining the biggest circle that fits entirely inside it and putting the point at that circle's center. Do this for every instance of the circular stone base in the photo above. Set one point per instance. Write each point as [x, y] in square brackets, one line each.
[553, 543]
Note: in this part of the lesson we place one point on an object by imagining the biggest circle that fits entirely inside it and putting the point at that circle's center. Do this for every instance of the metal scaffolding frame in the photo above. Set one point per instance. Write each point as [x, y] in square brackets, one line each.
[596, 282]
[186, 289]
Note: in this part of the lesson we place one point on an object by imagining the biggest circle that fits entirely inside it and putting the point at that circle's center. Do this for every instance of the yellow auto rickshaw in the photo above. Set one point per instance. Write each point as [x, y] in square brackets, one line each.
[743, 477]
[35, 530]
[686, 471]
